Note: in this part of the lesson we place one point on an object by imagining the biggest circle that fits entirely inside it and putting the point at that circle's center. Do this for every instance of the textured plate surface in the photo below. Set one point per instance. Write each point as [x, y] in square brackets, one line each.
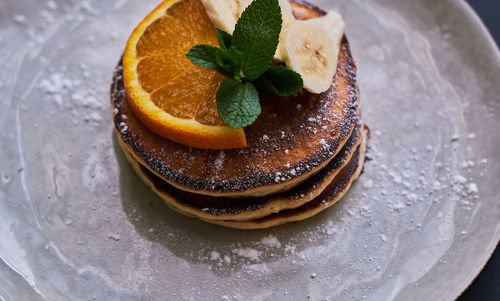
[77, 224]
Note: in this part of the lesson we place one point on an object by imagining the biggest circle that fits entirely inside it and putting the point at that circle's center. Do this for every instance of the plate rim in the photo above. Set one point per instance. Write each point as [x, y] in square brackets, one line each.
[494, 48]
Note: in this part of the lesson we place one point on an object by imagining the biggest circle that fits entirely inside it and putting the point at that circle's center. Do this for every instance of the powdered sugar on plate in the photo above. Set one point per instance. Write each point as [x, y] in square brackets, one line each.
[76, 221]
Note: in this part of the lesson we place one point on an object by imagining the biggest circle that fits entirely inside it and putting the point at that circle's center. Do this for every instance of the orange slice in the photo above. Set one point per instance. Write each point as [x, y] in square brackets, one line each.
[170, 95]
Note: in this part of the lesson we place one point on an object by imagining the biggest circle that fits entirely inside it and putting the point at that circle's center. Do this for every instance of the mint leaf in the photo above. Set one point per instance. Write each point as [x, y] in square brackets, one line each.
[238, 103]
[280, 80]
[211, 57]
[223, 60]
[224, 38]
[256, 35]
[229, 63]
[203, 56]
[231, 58]
[236, 58]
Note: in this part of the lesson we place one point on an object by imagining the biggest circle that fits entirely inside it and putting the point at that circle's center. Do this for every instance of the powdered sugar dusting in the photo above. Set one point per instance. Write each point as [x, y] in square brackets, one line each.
[20, 19]
[249, 253]
[424, 198]
[219, 162]
[271, 241]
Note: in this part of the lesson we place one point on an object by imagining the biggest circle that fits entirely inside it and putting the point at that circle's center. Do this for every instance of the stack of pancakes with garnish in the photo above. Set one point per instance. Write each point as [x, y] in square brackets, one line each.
[302, 155]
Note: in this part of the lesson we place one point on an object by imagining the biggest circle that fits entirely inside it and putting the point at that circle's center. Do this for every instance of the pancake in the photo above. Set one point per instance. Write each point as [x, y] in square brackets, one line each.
[303, 10]
[331, 195]
[213, 208]
[293, 138]
[332, 192]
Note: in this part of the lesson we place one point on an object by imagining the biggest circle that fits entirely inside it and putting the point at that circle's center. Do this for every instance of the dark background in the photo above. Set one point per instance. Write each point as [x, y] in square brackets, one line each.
[486, 287]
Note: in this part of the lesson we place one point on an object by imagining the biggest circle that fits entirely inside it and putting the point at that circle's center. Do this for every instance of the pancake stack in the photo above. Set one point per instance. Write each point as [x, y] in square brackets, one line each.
[303, 154]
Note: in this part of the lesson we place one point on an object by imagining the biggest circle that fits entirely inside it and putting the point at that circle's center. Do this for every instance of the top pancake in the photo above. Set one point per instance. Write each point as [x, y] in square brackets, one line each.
[292, 139]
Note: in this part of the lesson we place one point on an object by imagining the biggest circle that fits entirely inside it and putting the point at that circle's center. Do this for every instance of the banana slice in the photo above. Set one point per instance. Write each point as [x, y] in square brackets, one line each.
[288, 19]
[311, 48]
[238, 6]
[335, 26]
[221, 13]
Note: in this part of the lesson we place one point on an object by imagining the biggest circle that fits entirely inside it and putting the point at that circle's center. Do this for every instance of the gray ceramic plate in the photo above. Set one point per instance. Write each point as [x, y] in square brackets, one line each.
[77, 224]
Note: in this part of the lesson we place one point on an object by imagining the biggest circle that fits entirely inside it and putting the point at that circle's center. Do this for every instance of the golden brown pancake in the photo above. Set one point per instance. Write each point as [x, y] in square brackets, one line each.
[293, 138]
[331, 195]
[331, 192]
[218, 208]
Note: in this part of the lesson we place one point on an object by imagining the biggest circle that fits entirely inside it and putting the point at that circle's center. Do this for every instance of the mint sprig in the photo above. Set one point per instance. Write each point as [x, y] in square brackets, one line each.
[245, 59]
